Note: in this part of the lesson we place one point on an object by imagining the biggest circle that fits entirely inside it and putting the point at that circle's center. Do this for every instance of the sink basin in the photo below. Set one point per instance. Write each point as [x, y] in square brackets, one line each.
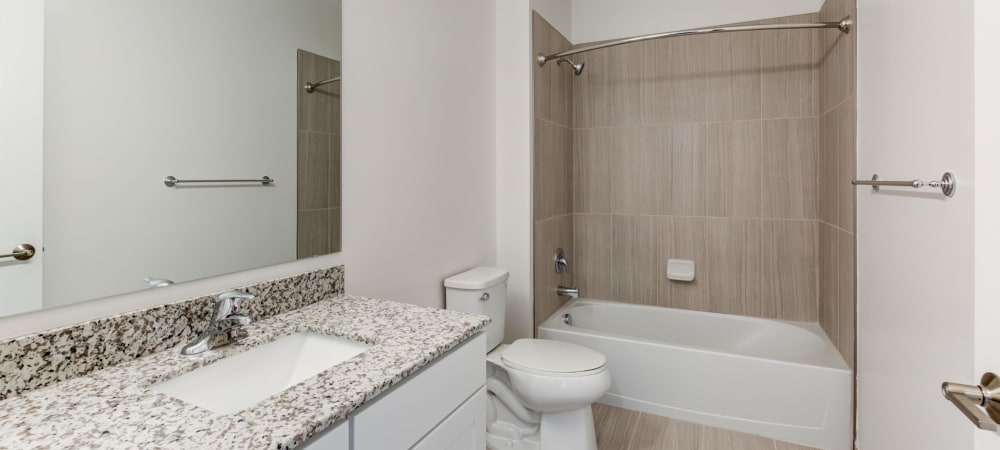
[232, 384]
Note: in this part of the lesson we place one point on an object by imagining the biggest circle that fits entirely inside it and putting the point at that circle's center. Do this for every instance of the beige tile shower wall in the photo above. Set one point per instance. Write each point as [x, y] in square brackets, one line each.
[553, 170]
[318, 157]
[702, 148]
[836, 168]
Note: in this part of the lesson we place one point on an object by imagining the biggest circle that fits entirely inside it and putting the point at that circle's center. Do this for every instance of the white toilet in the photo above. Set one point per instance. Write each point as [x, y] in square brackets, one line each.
[540, 390]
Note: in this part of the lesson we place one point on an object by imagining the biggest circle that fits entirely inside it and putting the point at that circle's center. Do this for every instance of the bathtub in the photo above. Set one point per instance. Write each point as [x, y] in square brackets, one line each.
[780, 379]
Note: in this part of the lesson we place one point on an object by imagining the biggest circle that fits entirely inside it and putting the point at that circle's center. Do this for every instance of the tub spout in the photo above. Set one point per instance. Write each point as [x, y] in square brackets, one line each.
[570, 292]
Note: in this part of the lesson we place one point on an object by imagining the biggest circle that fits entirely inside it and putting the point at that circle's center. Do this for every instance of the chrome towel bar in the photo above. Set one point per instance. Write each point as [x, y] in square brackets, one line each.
[947, 183]
[311, 87]
[264, 180]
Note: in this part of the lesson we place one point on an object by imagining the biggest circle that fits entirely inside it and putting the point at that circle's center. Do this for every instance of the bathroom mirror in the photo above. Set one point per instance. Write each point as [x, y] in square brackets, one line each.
[131, 92]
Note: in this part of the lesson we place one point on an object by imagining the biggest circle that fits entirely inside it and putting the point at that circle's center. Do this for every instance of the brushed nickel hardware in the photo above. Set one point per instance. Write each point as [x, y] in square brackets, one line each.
[567, 319]
[485, 296]
[844, 25]
[570, 292]
[157, 282]
[561, 262]
[311, 87]
[947, 183]
[22, 252]
[577, 68]
[227, 311]
[968, 398]
[265, 180]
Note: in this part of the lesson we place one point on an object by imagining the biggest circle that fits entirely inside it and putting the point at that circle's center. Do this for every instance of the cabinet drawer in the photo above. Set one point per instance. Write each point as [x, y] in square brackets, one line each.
[401, 416]
[464, 429]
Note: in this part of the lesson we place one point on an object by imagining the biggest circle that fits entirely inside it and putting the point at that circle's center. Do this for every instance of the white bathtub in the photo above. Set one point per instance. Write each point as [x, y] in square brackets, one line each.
[780, 379]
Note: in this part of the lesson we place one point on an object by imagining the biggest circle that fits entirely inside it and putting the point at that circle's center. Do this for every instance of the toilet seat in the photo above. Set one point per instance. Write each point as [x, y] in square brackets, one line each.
[552, 358]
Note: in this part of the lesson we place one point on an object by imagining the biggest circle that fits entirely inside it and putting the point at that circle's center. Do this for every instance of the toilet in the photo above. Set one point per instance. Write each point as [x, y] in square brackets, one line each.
[540, 390]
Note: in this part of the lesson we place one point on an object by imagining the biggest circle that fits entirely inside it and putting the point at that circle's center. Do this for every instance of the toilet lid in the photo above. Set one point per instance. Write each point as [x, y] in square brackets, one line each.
[551, 356]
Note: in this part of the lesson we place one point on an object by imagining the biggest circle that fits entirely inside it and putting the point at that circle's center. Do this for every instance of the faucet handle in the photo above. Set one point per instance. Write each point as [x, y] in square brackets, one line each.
[229, 302]
[234, 294]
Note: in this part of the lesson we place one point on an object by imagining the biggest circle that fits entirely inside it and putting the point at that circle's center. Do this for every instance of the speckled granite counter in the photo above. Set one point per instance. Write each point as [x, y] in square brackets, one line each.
[114, 408]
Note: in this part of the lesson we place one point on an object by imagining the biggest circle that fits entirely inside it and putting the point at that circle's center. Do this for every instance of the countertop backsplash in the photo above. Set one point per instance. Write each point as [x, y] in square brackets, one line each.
[37, 360]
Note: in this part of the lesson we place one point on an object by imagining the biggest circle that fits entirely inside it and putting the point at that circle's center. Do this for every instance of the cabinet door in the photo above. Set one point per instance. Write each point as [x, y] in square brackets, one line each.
[399, 417]
[336, 438]
[464, 429]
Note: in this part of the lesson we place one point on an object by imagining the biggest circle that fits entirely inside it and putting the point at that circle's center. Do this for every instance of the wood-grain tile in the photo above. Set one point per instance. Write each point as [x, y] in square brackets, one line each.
[846, 301]
[313, 170]
[592, 242]
[779, 445]
[680, 175]
[717, 438]
[592, 157]
[313, 233]
[552, 85]
[790, 156]
[787, 71]
[549, 235]
[336, 230]
[553, 174]
[845, 170]
[614, 426]
[674, 86]
[717, 247]
[334, 189]
[731, 170]
[636, 170]
[780, 269]
[633, 259]
[609, 93]
[828, 278]
[836, 56]
[826, 169]
[660, 433]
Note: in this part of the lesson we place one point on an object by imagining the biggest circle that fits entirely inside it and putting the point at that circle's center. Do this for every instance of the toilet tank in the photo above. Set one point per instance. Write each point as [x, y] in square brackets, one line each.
[483, 291]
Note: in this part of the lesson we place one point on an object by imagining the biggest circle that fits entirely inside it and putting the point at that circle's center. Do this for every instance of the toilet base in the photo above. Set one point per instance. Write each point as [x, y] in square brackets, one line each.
[570, 430]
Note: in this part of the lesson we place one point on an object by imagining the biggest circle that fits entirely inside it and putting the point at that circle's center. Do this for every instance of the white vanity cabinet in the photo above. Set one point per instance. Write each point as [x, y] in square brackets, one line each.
[441, 407]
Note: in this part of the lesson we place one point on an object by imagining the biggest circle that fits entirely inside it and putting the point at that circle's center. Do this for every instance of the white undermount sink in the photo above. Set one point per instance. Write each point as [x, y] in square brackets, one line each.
[232, 384]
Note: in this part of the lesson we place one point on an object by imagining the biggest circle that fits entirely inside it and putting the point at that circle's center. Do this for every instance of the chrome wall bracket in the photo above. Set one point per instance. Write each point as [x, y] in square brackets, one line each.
[946, 184]
[968, 399]
[22, 252]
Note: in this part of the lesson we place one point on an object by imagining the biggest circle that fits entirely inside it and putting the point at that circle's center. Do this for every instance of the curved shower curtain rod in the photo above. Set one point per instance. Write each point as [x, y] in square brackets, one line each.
[844, 25]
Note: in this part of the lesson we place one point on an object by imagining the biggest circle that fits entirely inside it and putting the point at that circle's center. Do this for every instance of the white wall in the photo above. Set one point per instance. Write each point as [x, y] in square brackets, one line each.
[513, 156]
[595, 20]
[559, 14]
[136, 91]
[22, 30]
[915, 250]
[987, 165]
[419, 137]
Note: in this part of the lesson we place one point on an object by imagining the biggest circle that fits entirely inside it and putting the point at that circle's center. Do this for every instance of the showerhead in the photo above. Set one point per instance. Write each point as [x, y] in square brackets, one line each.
[577, 68]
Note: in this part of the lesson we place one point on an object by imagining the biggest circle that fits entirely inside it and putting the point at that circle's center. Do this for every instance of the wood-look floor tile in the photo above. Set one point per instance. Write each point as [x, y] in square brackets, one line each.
[614, 426]
[779, 445]
[660, 433]
[717, 438]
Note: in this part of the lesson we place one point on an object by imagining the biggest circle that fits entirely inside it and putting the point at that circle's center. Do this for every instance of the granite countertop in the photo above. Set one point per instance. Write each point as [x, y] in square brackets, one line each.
[114, 408]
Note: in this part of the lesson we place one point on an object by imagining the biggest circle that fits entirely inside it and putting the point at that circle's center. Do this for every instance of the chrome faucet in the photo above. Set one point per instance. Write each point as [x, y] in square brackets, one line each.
[570, 292]
[561, 262]
[227, 311]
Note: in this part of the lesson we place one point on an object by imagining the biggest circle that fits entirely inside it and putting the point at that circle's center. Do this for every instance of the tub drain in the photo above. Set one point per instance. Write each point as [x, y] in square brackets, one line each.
[567, 319]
